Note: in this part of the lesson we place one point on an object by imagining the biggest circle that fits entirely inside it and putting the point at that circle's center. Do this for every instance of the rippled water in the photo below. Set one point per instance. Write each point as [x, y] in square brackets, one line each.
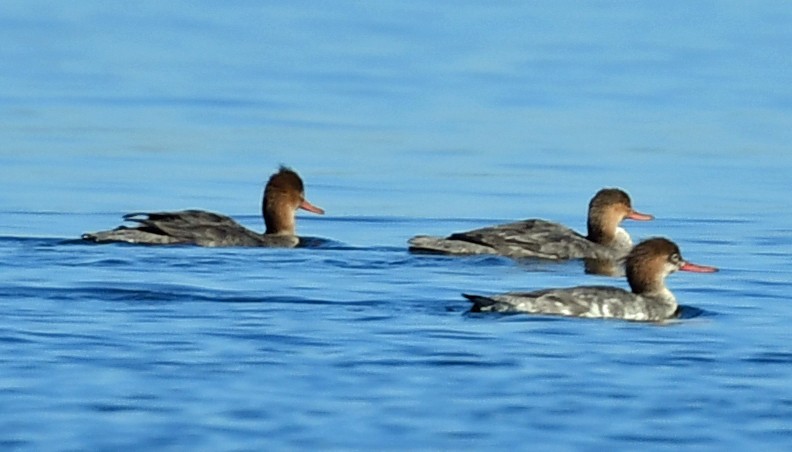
[403, 118]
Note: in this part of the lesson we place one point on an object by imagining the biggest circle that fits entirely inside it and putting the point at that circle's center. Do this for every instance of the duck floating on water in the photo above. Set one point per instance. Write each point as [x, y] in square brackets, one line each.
[546, 240]
[649, 300]
[283, 195]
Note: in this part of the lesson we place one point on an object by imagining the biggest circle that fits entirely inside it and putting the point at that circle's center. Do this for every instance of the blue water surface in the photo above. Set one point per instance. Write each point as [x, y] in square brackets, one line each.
[403, 118]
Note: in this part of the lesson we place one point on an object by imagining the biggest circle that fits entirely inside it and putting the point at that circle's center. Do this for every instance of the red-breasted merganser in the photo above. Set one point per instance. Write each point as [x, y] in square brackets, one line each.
[650, 300]
[546, 240]
[283, 195]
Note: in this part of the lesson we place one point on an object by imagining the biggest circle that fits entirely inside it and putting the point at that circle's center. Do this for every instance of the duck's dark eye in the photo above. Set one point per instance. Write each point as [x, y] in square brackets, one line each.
[675, 258]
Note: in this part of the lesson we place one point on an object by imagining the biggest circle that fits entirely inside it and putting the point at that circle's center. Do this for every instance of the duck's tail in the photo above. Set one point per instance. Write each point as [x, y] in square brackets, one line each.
[480, 302]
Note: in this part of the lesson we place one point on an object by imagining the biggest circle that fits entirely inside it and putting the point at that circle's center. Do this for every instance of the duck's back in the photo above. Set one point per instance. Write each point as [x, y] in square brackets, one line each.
[583, 301]
[534, 238]
[193, 227]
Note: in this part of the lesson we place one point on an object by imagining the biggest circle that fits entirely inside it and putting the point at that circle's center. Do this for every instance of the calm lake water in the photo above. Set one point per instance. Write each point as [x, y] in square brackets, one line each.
[403, 118]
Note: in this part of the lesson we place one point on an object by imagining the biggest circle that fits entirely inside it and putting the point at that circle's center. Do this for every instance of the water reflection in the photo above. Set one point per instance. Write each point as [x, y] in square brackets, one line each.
[604, 267]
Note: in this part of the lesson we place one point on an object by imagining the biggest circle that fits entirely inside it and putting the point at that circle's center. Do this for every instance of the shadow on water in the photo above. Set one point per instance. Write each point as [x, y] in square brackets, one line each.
[692, 312]
[321, 242]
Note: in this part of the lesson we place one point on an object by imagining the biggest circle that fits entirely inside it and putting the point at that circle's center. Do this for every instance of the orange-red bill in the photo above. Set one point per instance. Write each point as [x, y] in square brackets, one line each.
[638, 216]
[689, 267]
[305, 205]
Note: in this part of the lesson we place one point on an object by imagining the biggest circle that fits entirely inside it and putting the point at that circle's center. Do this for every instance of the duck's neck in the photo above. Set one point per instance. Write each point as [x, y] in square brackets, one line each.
[601, 231]
[278, 218]
[621, 240]
[649, 285]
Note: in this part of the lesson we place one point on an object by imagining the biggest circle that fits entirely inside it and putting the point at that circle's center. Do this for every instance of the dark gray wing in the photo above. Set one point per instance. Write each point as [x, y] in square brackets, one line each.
[533, 238]
[195, 227]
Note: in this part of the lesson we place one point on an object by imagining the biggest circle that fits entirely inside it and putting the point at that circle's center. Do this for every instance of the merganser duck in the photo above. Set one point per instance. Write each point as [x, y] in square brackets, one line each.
[650, 300]
[283, 195]
[546, 240]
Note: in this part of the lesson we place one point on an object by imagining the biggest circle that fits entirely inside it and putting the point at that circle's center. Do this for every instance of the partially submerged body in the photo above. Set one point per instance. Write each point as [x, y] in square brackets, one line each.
[542, 239]
[647, 265]
[283, 195]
